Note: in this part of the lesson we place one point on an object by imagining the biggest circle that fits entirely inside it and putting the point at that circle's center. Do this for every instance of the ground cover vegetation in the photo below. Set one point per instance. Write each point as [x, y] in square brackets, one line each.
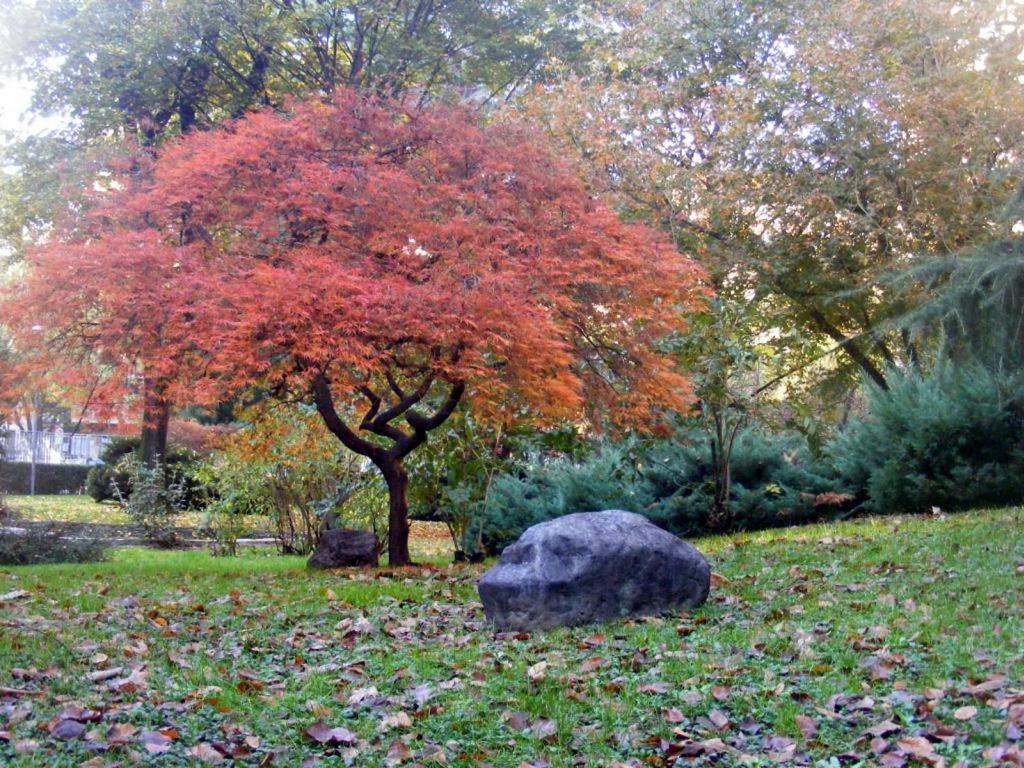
[887, 641]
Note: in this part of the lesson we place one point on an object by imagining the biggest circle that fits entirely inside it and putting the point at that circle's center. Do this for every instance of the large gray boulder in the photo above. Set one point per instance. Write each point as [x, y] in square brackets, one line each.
[344, 548]
[592, 566]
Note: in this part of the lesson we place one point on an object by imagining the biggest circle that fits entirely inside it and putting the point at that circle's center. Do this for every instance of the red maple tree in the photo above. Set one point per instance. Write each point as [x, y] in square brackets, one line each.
[96, 316]
[386, 264]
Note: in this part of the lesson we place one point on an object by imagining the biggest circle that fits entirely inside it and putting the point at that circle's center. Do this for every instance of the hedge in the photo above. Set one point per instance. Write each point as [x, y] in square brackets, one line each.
[50, 478]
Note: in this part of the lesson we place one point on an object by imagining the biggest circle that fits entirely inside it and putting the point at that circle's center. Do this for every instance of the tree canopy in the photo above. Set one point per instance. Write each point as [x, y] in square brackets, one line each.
[371, 256]
[806, 151]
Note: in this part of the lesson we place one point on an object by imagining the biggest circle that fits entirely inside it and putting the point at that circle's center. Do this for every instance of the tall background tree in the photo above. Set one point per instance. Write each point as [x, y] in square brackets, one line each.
[806, 151]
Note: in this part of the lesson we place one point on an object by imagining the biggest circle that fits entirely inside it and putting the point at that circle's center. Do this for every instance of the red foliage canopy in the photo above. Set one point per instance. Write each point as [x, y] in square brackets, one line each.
[367, 255]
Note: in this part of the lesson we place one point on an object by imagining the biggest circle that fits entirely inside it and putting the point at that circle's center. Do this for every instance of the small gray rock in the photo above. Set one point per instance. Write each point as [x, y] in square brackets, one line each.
[592, 566]
[345, 548]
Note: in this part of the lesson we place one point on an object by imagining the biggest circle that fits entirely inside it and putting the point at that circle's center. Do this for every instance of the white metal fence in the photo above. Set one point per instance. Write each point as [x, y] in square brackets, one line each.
[51, 447]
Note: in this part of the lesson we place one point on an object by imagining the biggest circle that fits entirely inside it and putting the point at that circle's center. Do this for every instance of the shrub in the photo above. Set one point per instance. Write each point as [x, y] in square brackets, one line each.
[452, 475]
[952, 439]
[103, 478]
[285, 466]
[546, 488]
[50, 478]
[113, 478]
[775, 481]
[156, 497]
[37, 545]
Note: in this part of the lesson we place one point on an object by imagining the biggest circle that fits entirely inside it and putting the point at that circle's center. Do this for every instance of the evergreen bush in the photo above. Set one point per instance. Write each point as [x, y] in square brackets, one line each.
[953, 439]
[775, 481]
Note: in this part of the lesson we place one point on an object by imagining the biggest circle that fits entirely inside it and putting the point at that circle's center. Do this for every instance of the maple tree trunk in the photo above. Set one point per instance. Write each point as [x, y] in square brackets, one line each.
[398, 512]
[156, 413]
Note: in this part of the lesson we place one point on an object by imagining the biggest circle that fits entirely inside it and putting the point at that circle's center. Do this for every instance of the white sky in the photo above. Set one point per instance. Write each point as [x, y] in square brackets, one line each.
[15, 99]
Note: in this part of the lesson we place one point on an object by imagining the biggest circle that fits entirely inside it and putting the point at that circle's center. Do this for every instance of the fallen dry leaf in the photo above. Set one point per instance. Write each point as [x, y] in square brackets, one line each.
[206, 753]
[718, 719]
[322, 733]
[398, 753]
[155, 742]
[808, 727]
[537, 672]
[68, 730]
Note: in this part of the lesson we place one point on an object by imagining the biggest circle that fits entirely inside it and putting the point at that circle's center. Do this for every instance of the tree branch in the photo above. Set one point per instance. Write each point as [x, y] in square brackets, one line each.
[403, 405]
[426, 423]
[325, 406]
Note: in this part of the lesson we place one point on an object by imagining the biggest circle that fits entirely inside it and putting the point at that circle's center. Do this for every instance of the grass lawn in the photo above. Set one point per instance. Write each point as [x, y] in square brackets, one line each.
[879, 642]
[70, 508]
[67, 508]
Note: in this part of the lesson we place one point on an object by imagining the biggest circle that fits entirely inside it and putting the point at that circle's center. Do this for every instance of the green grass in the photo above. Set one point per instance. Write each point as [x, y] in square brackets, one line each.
[67, 508]
[802, 616]
[70, 508]
[429, 543]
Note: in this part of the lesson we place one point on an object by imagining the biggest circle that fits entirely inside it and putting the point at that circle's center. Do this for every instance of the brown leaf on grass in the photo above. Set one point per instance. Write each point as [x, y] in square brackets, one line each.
[674, 716]
[16, 594]
[179, 660]
[398, 753]
[19, 692]
[658, 688]
[249, 682]
[104, 674]
[138, 680]
[138, 648]
[708, 747]
[517, 721]
[359, 695]
[917, 746]
[317, 709]
[80, 713]
[537, 672]
[718, 719]
[1005, 754]
[884, 728]
[808, 727]
[780, 749]
[993, 683]
[155, 742]
[421, 694]
[892, 760]
[545, 730]
[322, 733]
[878, 669]
[121, 733]
[68, 730]
[965, 713]
[206, 753]
[396, 720]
